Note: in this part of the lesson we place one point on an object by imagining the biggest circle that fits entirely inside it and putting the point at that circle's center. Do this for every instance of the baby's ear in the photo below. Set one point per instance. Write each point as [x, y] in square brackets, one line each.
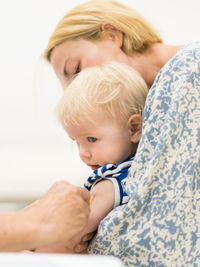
[135, 126]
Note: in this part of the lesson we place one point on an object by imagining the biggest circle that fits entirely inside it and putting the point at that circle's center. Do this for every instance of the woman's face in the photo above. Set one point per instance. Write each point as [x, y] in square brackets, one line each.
[72, 56]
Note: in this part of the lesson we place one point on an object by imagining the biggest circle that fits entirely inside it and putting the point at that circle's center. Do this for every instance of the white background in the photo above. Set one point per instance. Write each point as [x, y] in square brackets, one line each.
[34, 150]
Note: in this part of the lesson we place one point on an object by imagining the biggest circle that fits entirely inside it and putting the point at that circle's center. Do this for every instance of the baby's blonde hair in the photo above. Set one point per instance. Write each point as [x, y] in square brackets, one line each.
[114, 88]
[85, 22]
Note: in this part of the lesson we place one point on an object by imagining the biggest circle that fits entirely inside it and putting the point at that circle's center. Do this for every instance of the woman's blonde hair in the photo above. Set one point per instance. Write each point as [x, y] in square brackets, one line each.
[85, 22]
[114, 88]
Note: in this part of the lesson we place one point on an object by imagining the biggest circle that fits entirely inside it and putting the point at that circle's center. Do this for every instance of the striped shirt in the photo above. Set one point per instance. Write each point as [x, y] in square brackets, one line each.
[117, 174]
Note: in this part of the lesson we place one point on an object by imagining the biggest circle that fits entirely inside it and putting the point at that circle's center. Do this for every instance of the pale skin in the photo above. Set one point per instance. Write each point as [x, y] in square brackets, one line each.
[71, 56]
[58, 216]
[101, 142]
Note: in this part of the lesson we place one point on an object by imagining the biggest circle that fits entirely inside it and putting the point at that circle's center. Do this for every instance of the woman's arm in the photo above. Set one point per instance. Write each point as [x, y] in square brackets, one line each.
[58, 216]
[15, 233]
[103, 197]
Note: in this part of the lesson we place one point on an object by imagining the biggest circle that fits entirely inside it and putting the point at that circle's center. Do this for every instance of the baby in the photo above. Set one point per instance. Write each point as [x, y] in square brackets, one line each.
[101, 110]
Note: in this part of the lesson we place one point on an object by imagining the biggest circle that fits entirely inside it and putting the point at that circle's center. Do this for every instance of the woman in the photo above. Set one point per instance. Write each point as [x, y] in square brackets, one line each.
[160, 225]
[56, 217]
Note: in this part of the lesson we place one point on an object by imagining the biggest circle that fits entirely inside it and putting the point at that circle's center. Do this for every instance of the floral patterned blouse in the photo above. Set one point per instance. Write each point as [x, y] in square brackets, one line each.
[160, 225]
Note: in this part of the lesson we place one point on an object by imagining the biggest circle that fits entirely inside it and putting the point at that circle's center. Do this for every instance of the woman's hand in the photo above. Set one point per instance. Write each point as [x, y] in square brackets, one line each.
[68, 246]
[61, 214]
[82, 246]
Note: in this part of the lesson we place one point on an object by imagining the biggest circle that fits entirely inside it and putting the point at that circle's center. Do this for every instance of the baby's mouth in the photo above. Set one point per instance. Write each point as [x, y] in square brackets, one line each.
[94, 167]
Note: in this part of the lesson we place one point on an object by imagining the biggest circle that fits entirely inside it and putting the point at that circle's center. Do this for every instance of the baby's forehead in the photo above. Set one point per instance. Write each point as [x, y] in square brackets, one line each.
[93, 127]
[81, 128]
[87, 117]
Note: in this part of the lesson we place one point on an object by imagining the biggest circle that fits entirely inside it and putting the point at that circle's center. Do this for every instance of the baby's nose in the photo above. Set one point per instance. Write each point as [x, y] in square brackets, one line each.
[84, 153]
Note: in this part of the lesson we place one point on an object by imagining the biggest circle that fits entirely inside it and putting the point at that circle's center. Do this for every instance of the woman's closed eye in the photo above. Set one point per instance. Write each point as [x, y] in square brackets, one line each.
[78, 69]
[65, 73]
[91, 139]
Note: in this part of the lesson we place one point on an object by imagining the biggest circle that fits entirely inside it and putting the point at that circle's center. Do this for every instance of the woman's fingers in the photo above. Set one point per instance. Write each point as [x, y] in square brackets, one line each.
[81, 247]
[62, 213]
[87, 237]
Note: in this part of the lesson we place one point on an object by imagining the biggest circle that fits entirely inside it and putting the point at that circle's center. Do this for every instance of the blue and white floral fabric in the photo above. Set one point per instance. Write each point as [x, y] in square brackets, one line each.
[160, 225]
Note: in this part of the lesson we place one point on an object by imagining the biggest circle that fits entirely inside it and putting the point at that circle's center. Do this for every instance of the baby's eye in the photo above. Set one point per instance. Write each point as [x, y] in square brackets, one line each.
[91, 139]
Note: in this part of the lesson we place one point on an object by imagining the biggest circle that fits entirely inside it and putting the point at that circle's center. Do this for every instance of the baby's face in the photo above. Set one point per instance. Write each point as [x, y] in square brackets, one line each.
[102, 141]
